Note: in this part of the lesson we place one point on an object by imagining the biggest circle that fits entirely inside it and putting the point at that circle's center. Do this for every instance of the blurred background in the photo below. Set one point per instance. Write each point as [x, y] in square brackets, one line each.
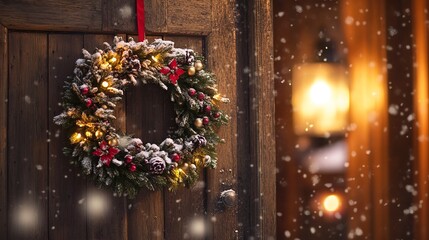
[351, 119]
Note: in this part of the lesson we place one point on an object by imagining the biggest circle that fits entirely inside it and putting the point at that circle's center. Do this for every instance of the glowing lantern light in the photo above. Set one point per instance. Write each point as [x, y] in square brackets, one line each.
[331, 203]
[320, 99]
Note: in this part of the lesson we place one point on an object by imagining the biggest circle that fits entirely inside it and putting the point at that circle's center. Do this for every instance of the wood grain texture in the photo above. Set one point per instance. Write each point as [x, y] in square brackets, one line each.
[262, 129]
[67, 186]
[27, 133]
[149, 112]
[156, 16]
[183, 206]
[420, 102]
[119, 15]
[189, 16]
[3, 129]
[101, 228]
[51, 15]
[400, 138]
[224, 177]
[369, 164]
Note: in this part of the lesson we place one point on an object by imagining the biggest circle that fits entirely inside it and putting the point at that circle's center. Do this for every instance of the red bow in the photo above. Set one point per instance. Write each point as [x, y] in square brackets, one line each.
[172, 71]
[106, 153]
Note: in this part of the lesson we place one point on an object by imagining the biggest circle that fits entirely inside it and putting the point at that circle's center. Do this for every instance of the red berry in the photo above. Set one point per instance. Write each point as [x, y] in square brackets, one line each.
[192, 92]
[206, 120]
[128, 158]
[207, 108]
[216, 115]
[133, 168]
[201, 96]
[84, 90]
[88, 102]
[175, 157]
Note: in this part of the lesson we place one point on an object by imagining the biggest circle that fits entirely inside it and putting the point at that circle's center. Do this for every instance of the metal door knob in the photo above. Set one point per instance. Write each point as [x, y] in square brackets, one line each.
[228, 198]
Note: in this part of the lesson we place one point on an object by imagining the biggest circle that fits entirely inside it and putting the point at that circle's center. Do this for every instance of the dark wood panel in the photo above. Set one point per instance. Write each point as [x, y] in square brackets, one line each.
[221, 52]
[400, 138]
[149, 112]
[27, 139]
[67, 185]
[184, 207]
[79, 15]
[116, 215]
[262, 130]
[3, 130]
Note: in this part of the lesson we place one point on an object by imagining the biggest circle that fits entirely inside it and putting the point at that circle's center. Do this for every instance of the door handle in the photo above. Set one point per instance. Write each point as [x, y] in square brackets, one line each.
[228, 198]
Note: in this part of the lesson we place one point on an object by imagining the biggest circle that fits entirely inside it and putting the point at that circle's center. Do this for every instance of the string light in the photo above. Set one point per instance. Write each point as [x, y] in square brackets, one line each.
[88, 134]
[105, 84]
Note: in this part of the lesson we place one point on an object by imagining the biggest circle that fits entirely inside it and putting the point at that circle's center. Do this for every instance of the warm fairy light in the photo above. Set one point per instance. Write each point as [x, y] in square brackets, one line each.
[112, 60]
[105, 84]
[76, 137]
[155, 59]
[88, 134]
[331, 203]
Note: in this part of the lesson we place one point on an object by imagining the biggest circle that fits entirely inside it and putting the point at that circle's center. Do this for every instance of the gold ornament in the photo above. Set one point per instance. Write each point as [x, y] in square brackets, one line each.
[198, 122]
[75, 138]
[113, 142]
[98, 134]
[191, 71]
[199, 65]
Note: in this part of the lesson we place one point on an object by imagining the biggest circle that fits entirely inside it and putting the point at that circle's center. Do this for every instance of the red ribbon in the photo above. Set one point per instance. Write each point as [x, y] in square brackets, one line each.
[140, 19]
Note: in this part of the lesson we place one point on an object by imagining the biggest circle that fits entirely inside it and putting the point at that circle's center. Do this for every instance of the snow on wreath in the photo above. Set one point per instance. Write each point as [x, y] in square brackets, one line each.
[120, 162]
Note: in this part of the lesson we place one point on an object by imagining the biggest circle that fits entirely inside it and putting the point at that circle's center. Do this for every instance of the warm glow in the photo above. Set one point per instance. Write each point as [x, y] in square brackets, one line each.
[320, 92]
[98, 134]
[97, 205]
[25, 216]
[331, 203]
[105, 84]
[88, 134]
[75, 138]
[320, 99]
[112, 60]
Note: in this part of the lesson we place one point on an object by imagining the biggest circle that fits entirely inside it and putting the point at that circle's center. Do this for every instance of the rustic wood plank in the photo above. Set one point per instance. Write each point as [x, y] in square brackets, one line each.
[189, 17]
[119, 15]
[262, 132]
[116, 216]
[222, 40]
[421, 131]
[400, 138]
[156, 16]
[27, 127]
[3, 129]
[51, 15]
[184, 206]
[144, 105]
[67, 186]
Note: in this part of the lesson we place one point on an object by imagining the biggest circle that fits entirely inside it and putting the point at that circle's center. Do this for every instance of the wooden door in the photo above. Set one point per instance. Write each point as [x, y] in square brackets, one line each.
[39, 43]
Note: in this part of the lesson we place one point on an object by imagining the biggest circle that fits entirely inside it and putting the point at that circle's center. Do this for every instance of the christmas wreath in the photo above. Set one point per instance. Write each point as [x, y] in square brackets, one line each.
[124, 163]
